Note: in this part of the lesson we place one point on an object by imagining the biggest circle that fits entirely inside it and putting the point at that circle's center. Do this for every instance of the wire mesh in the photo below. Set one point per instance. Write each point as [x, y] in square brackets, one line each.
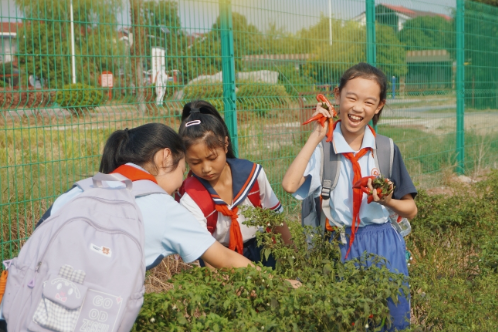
[59, 102]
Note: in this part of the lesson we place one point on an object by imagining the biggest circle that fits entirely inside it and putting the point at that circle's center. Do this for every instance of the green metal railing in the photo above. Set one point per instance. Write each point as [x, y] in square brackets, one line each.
[261, 63]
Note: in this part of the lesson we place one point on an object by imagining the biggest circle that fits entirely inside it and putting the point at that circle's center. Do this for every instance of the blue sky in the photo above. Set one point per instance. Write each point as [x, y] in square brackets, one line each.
[291, 15]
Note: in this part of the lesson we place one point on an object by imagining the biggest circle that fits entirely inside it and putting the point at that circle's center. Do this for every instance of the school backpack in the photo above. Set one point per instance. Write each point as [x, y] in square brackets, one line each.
[315, 211]
[195, 189]
[83, 268]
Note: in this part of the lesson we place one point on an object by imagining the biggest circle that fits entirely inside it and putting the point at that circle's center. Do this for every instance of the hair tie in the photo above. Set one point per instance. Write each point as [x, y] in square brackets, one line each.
[193, 123]
[195, 110]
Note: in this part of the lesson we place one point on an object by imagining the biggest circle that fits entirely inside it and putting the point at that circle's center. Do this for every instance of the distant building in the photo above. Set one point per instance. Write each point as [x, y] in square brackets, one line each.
[8, 41]
[395, 16]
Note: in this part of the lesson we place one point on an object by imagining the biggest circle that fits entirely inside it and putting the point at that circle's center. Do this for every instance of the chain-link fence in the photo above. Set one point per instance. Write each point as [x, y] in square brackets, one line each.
[73, 71]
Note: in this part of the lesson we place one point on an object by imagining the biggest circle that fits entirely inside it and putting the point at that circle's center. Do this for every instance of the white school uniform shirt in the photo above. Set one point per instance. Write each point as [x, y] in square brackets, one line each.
[169, 227]
[341, 198]
[268, 201]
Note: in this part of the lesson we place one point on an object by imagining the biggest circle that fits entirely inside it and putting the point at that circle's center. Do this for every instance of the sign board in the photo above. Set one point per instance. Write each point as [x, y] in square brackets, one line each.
[106, 79]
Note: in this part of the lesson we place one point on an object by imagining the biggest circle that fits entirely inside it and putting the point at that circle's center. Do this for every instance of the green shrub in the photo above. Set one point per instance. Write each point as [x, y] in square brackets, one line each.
[206, 90]
[6, 68]
[3, 84]
[294, 81]
[78, 98]
[453, 276]
[261, 97]
[334, 296]
[171, 88]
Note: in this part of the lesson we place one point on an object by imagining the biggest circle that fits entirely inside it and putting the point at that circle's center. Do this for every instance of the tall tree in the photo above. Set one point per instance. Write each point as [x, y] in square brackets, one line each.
[481, 46]
[327, 62]
[428, 32]
[45, 39]
[163, 29]
[203, 57]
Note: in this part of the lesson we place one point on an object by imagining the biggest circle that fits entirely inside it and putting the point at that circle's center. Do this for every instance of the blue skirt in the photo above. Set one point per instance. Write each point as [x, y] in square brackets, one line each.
[383, 240]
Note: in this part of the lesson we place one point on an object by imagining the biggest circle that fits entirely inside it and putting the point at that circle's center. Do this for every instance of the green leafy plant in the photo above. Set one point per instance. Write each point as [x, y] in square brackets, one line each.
[453, 244]
[206, 90]
[334, 296]
[78, 98]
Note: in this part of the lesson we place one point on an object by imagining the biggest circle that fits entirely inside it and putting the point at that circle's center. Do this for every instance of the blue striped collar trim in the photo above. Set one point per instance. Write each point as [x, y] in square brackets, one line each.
[244, 174]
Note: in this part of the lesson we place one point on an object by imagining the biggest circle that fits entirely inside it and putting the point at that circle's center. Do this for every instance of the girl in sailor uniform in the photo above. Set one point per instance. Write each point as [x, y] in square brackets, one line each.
[219, 183]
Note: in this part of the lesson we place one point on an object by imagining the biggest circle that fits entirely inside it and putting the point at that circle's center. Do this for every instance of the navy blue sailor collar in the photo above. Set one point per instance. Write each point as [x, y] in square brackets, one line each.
[244, 174]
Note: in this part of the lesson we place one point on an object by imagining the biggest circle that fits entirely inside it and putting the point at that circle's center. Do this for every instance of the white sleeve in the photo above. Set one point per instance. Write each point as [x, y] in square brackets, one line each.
[187, 202]
[171, 229]
[313, 182]
[268, 198]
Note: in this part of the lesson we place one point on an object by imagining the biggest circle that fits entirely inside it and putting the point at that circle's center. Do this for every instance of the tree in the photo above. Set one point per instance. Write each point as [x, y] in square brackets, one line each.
[45, 40]
[328, 63]
[278, 41]
[481, 45]
[488, 2]
[163, 29]
[204, 56]
[391, 54]
[428, 32]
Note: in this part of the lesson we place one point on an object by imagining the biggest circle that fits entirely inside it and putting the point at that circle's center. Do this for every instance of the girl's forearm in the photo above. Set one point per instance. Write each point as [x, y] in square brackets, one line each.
[405, 207]
[293, 178]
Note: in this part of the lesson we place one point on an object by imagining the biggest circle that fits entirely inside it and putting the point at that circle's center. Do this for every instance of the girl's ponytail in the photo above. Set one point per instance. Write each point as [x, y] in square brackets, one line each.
[139, 146]
[201, 121]
[112, 151]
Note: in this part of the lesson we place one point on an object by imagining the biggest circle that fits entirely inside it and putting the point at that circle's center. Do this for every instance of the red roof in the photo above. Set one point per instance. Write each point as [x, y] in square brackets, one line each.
[10, 26]
[399, 9]
[414, 13]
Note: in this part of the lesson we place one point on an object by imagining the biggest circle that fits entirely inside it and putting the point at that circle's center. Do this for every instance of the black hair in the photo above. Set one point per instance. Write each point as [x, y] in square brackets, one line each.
[211, 128]
[139, 146]
[364, 70]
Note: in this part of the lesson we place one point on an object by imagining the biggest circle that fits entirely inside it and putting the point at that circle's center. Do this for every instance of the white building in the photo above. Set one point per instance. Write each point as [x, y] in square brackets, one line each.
[395, 15]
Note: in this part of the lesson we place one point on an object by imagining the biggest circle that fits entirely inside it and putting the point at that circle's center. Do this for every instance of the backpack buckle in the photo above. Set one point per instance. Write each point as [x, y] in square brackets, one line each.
[326, 185]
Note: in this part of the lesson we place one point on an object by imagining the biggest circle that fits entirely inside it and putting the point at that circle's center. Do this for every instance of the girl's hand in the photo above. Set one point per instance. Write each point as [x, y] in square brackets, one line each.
[294, 283]
[319, 130]
[385, 200]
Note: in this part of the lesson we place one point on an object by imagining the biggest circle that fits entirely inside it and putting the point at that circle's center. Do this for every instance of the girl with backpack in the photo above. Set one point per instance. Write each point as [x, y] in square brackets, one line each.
[361, 96]
[220, 183]
[154, 151]
[91, 248]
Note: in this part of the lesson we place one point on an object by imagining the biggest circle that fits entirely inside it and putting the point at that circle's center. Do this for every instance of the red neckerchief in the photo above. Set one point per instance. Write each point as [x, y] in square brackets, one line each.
[357, 193]
[236, 241]
[134, 174]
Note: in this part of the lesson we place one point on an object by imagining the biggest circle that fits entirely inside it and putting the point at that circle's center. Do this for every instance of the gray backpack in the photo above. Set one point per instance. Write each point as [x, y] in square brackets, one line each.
[312, 212]
[83, 268]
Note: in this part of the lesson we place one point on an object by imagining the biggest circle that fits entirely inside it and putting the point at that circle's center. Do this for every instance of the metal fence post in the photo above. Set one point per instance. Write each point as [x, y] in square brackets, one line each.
[371, 47]
[460, 86]
[228, 67]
